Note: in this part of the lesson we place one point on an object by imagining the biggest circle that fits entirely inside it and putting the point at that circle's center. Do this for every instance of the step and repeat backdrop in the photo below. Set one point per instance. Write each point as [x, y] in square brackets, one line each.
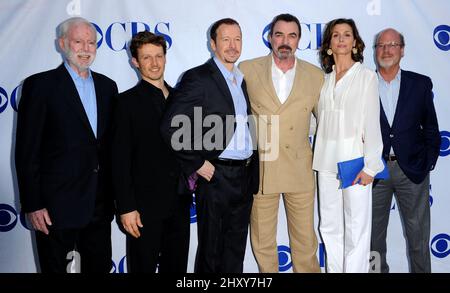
[28, 34]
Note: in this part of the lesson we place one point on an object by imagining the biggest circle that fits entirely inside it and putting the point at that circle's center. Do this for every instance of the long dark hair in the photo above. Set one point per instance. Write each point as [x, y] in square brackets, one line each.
[327, 61]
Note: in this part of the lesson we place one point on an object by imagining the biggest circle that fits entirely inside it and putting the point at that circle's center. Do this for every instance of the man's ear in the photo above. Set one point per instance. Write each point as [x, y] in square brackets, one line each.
[61, 44]
[135, 62]
[213, 45]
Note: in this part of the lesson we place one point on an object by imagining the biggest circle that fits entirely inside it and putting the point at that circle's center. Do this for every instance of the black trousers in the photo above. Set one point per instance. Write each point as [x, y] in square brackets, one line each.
[223, 215]
[91, 243]
[164, 243]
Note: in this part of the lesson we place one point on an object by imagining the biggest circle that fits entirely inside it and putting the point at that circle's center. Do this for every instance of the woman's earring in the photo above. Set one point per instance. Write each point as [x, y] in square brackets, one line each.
[355, 51]
[330, 52]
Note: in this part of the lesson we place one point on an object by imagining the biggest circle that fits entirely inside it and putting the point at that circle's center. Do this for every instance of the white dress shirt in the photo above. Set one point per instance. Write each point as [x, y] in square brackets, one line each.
[349, 121]
[283, 82]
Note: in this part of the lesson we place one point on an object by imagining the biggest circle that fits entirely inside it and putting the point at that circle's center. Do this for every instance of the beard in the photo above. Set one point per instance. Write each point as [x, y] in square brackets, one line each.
[386, 63]
[285, 54]
[72, 58]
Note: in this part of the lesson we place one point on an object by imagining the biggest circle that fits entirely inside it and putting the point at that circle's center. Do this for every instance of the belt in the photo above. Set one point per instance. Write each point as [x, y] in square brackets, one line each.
[390, 158]
[231, 162]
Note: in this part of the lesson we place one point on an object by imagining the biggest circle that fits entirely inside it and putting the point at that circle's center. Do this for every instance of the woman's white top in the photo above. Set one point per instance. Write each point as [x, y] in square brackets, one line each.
[349, 121]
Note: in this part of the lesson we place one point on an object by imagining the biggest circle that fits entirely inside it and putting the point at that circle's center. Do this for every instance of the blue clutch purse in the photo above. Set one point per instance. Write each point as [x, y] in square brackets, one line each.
[348, 170]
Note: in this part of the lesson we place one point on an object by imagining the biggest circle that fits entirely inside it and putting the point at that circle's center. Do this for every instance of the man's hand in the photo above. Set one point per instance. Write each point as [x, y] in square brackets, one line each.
[131, 221]
[206, 170]
[39, 220]
[363, 179]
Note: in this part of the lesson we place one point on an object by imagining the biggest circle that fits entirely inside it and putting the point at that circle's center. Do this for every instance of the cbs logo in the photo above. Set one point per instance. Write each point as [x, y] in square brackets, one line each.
[9, 218]
[4, 98]
[284, 258]
[445, 144]
[117, 34]
[439, 245]
[121, 268]
[441, 37]
[193, 213]
[311, 36]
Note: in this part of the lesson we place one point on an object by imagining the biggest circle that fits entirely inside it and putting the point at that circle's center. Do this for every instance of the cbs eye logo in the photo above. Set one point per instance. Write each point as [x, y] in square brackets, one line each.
[441, 36]
[193, 211]
[440, 245]
[284, 258]
[445, 143]
[122, 268]
[9, 218]
[13, 98]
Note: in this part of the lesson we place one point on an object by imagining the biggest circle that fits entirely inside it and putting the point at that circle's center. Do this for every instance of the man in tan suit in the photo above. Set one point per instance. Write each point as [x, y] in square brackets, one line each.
[283, 93]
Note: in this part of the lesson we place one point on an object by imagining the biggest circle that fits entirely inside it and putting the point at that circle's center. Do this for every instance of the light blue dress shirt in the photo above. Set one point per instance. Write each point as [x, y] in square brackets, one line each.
[389, 92]
[86, 91]
[240, 145]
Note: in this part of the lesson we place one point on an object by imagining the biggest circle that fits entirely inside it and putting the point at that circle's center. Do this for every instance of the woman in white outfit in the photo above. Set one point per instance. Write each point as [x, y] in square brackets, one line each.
[348, 127]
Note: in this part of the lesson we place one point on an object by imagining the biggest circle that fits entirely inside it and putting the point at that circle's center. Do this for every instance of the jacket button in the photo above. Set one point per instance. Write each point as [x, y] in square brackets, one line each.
[391, 135]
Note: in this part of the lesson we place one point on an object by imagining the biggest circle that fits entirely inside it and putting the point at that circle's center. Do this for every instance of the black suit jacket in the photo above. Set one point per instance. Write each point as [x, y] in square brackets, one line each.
[146, 173]
[414, 134]
[205, 88]
[60, 163]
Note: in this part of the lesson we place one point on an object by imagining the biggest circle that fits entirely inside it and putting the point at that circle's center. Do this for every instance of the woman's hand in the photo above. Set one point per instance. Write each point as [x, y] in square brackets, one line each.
[363, 179]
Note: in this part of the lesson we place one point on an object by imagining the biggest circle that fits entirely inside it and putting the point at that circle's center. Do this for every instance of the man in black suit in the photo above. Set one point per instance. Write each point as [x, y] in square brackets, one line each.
[153, 206]
[411, 148]
[212, 98]
[63, 155]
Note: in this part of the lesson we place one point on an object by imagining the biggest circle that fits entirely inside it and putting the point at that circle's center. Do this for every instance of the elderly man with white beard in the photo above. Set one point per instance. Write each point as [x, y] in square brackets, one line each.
[63, 157]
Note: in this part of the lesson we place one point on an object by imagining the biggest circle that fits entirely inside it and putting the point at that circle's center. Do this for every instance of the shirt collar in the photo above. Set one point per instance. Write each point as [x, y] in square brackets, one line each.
[230, 75]
[278, 70]
[396, 78]
[75, 75]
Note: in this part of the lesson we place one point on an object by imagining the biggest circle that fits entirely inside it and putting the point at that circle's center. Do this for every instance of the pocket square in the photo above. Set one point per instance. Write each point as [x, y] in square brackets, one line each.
[348, 170]
[192, 181]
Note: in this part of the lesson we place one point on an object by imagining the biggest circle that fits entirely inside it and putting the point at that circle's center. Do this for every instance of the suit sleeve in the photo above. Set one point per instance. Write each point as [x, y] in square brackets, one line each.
[121, 150]
[430, 126]
[30, 128]
[178, 127]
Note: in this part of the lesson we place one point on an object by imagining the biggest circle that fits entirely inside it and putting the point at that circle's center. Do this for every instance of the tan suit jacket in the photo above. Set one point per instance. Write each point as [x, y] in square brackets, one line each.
[291, 171]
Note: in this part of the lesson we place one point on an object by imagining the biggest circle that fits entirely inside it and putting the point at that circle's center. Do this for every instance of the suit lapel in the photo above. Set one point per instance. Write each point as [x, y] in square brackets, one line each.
[299, 85]
[70, 95]
[267, 81]
[101, 107]
[221, 83]
[405, 88]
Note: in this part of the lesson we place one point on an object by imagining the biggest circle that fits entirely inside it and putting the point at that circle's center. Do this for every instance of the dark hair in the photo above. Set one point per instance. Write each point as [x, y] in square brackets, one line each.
[146, 37]
[215, 26]
[287, 18]
[327, 61]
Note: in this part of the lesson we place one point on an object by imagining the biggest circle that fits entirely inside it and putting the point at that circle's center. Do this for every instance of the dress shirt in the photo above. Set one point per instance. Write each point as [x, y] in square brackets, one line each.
[389, 92]
[283, 82]
[86, 91]
[240, 145]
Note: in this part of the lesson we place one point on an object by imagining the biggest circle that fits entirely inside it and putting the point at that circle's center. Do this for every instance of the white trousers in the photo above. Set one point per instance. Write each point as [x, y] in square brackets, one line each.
[345, 224]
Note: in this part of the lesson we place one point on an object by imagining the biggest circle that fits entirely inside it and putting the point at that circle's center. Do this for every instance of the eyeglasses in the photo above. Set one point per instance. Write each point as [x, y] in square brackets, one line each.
[388, 45]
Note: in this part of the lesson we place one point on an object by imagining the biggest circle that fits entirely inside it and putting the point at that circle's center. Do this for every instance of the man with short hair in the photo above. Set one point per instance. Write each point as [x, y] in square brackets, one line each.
[221, 154]
[411, 148]
[152, 204]
[63, 156]
[286, 88]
